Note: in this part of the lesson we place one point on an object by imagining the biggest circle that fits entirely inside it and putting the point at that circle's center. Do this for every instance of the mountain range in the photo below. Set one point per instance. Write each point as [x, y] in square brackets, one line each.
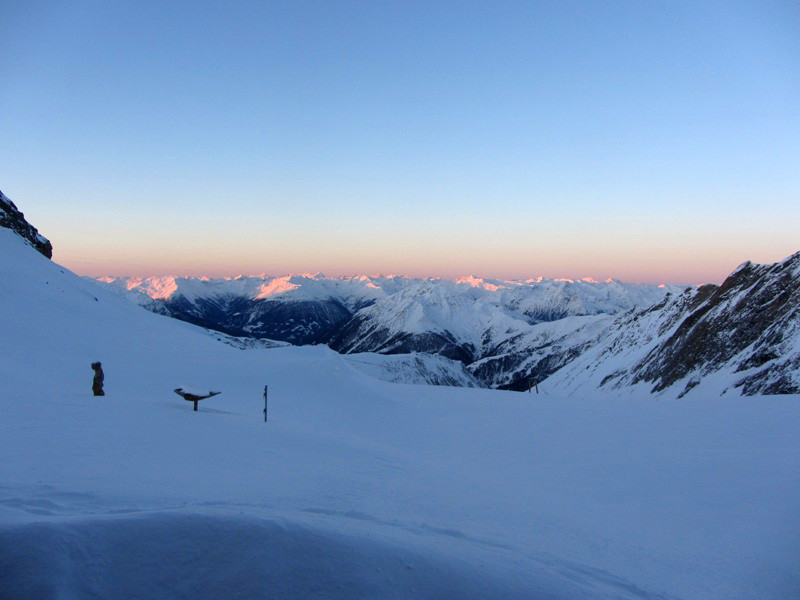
[575, 336]
[355, 487]
[579, 335]
[471, 320]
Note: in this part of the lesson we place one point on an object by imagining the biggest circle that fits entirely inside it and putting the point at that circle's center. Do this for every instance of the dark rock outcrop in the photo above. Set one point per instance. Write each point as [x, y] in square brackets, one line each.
[352, 336]
[746, 318]
[297, 322]
[519, 371]
[739, 337]
[12, 218]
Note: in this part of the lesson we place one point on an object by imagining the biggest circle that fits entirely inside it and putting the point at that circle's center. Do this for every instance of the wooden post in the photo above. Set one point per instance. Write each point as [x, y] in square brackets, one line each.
[265, 403]
[195, 406]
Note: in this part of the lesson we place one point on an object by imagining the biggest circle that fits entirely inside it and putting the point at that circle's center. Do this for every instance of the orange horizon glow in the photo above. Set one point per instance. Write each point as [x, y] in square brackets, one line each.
[659, 273]
[683, 255]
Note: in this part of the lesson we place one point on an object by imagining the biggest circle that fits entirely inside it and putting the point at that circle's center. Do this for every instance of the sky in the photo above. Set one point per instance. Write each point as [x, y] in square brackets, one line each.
[644, 141]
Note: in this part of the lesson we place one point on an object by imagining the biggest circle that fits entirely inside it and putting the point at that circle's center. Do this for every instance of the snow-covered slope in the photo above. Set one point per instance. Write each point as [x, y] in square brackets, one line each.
[438, 317]
[527, 358]
[508, 334]
[740, 337]
[358, 488]
[417, 368]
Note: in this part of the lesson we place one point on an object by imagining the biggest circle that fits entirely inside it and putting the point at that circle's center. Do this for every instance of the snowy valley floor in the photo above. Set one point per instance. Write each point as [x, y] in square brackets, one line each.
[359, 488]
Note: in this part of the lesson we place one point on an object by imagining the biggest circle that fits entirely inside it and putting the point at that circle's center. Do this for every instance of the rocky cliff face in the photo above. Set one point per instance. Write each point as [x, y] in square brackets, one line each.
[740, 337]
[749, 324]
[13, 219]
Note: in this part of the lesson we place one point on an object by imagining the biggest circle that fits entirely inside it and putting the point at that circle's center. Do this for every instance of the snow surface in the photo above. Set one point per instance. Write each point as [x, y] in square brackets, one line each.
[358, 488]
[416, 368]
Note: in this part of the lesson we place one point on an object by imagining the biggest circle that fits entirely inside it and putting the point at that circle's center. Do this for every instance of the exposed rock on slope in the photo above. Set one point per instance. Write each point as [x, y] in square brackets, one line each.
[749, 323]
[742, 335]
[13, 219]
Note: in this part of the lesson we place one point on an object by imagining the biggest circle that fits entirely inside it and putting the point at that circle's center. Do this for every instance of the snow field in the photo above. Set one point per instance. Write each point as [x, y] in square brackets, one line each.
[358, 487]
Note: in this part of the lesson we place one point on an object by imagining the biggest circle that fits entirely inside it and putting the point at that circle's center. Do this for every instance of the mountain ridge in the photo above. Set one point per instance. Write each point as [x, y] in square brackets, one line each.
[461, 320]
[12, 218]
[742, 336]
[518, 334]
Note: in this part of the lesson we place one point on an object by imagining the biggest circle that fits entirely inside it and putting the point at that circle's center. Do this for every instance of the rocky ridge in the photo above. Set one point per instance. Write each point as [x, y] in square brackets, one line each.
[12, 218]
[742, 336]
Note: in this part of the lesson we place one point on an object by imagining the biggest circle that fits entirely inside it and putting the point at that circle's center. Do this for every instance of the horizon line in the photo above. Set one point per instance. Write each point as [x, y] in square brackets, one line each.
[461, 279]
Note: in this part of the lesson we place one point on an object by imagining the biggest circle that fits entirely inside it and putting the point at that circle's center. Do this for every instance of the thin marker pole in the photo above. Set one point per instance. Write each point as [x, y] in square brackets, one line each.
[265, 403]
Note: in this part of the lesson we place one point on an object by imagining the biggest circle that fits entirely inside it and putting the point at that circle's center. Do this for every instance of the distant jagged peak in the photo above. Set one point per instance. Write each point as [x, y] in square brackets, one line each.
[792, 261]
[277, 286]
[491, 285]
[793, 258]
[157, 287]
[12, 218]
[745, 265]
[356, 290]
[742, 336]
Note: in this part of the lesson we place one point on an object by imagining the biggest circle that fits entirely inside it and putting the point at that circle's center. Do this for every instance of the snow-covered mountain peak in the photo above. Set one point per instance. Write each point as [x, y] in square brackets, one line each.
[491, 285]
[277, 286]
[742, 336]
[793, 263]
[464, 318]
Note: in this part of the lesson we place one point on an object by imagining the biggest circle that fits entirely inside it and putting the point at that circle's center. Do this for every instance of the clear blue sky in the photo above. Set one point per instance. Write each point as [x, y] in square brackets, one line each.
[640, 140]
